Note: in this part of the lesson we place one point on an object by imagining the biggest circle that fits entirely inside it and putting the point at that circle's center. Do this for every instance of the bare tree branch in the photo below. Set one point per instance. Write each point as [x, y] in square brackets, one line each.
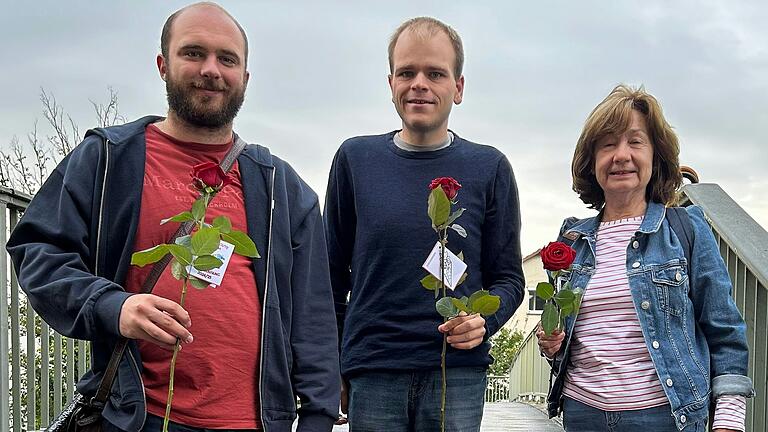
[25, 167]
[41, 156]
[107, 115]
[54, 113]
[5, 172]
[17, 162]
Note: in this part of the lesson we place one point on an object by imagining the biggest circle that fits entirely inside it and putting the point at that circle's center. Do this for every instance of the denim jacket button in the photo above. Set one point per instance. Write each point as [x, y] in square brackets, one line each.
[635, 244]
[645, 304]
[636, 264]
[683, 418]
[655, 344]
[669, 382]
[678, 277]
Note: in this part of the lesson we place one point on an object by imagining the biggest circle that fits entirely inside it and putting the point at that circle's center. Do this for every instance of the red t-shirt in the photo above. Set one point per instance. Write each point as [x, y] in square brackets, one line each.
[217, 375]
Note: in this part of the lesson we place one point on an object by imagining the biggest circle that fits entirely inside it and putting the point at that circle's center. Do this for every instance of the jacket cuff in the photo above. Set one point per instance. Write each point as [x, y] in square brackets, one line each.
[492, 325]
[107, 309]
[732, 384]
[314, 423]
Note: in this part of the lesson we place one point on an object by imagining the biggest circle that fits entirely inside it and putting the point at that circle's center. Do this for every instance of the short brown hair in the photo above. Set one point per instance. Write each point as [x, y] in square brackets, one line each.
[613, 116]
[165, 36]
[428, 27]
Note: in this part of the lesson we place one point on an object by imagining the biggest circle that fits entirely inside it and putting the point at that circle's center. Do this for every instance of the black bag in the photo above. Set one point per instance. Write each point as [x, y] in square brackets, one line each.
[78, 416]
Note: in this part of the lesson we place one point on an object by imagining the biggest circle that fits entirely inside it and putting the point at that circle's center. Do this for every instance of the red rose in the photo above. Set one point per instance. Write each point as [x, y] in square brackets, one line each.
[450, 186]
[557, 256]
[209, 174]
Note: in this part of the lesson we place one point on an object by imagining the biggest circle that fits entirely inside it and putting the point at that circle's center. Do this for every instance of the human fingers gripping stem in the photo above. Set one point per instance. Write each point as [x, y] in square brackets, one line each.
[154, 319]
[464, 331]
[550, 345]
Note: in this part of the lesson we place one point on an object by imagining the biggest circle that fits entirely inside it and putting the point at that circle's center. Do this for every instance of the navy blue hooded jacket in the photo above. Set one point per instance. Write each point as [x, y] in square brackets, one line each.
[72, 249]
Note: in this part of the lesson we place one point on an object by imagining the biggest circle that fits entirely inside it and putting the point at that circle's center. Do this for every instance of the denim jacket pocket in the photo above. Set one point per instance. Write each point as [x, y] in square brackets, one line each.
[671, 282]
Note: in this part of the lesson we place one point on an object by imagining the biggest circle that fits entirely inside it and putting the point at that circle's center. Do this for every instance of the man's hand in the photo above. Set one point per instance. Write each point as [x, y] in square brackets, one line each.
[464, 331]
[550, 345]
[154, 319]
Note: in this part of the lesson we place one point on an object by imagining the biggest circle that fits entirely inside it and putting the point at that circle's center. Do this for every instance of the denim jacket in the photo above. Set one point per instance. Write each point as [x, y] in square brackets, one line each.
[694, 333]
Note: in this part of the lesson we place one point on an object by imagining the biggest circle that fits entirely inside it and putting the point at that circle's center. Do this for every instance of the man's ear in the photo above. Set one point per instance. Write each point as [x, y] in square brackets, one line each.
[162, 66]
[459, 96]
[389, 81]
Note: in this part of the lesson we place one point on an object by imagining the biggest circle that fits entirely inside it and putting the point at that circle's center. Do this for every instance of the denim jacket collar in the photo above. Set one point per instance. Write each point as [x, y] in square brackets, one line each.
[654, 215]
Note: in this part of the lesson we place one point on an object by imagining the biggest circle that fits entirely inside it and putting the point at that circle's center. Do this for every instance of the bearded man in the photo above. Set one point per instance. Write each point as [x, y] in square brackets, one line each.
[255, 345]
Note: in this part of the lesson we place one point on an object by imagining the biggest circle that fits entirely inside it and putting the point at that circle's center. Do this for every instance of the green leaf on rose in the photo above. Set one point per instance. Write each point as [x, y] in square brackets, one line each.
[430, 282]
[243, 244]
[462, 279]
[181, 217]
[545, 290]
[223, 224]
[185, 241]
[549, 318]
[486, 305]
[476, 295]
[206, 262]
[198, 209]
[149, 256]
[205, 241]
[461, 304]
[198, 283]
[455, 215]
[438, 207]
[565, 298]
[182, 254]
[579, 294]
[459, 229]
[178, 271]
[445, 306]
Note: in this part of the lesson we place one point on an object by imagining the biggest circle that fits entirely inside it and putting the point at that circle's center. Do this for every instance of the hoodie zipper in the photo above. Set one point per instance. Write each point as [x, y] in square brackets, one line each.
[264, 300]
[101, 204]
[96, 267]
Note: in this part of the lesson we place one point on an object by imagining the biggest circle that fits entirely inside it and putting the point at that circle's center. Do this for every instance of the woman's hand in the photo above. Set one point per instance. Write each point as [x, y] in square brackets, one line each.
[549, 345]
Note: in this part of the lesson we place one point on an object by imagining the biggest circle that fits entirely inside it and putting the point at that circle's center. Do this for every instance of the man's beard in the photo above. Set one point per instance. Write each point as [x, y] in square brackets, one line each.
[182, 102]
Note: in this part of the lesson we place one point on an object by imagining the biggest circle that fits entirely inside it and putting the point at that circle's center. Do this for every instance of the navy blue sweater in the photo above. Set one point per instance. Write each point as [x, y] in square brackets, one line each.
[379, 235]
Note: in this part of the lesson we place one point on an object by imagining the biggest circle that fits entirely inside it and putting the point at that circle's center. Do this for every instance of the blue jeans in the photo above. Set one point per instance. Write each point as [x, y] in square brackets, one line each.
[410, 401]
[155, 424]
[578, 417]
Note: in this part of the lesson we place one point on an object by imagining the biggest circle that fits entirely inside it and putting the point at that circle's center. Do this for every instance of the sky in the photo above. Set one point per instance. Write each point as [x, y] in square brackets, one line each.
[533, 70]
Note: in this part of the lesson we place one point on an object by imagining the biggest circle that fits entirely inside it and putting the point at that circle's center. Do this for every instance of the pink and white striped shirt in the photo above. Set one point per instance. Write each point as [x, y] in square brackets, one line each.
[611, 368]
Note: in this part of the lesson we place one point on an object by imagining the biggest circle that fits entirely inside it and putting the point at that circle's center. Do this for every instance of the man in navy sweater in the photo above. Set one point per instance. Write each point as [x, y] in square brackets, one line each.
[379, 234]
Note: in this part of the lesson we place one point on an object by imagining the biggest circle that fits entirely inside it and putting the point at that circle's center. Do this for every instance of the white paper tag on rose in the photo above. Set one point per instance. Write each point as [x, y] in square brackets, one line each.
[454, 267]
[214, 276]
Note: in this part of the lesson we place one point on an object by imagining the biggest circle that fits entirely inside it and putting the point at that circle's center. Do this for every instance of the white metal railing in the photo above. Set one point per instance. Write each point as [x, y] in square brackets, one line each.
[497, 389]
[41, 366]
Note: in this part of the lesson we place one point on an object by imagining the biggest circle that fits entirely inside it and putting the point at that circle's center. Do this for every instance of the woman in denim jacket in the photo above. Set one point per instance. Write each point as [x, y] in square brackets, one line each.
[656, 338]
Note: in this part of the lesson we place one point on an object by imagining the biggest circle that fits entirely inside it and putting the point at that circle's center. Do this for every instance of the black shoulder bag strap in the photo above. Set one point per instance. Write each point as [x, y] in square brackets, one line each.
[680, 223]
[100, 399]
